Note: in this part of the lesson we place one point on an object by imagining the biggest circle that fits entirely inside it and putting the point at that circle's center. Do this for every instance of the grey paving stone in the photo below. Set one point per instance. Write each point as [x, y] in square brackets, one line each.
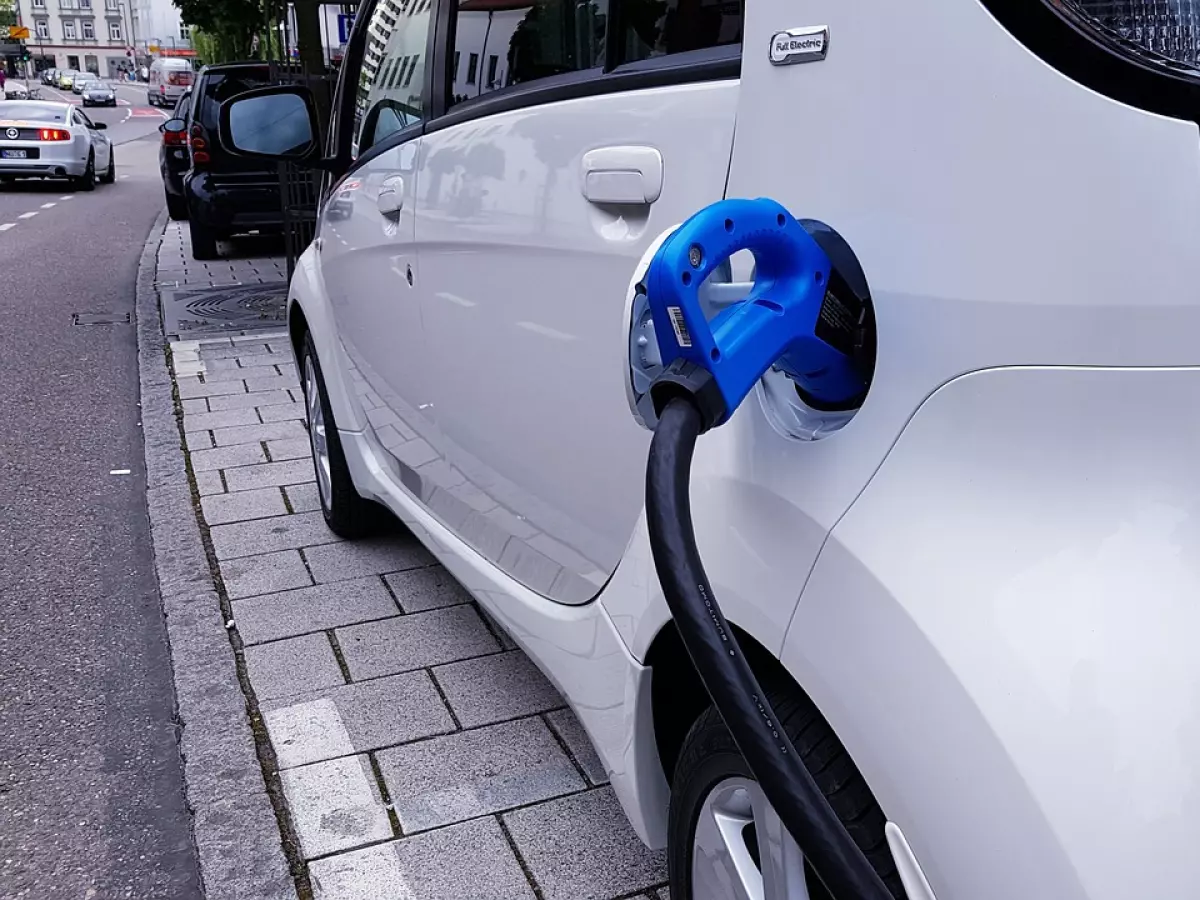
[233, 373]
[227, 457]
[473, 773]
[292, 448]
[430, 587]
[494, 688]
[263, 574]
[219, 419]
[582, 848]
[335, 562]
[335, 805]
[243, 505]
[190, 386]
[228, 351]
[362, 716]
[471, 861]
[264, 535]
[254, 433]
[294, 666]
[292, 471]
[245, 401]
[414, 642]
[303, 497]
[272, 382]
[569, 730]
[209, 483]
[195, 405]
[274, 616]
[282, 412]
[197, 440]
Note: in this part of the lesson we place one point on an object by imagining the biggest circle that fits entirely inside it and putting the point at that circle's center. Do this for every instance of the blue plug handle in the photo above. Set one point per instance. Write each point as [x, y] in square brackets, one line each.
[775, 323]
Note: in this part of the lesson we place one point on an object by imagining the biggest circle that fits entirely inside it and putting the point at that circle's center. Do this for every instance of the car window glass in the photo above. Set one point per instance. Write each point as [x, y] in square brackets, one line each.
[80, 118]
[498, 43]
[661, 27]
[392, 80]
[220, 86]
[31, 112]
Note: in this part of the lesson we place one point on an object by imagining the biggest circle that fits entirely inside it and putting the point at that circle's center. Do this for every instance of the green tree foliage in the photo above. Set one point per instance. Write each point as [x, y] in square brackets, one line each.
[8, 16]
[230, 24]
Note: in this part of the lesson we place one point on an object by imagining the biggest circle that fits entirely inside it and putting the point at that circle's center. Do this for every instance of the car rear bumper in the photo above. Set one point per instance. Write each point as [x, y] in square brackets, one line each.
[52, 161]
[246, 204]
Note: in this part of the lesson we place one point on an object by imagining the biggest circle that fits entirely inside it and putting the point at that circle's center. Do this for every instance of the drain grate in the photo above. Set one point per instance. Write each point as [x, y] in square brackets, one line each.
[100, 318]
[225, 309]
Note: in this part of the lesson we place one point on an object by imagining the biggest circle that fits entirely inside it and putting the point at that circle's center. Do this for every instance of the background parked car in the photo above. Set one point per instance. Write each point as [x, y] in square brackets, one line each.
[66, 78]
[168, 79]
[225, 193]
[50, 76]
[173, 157]
[81, 79]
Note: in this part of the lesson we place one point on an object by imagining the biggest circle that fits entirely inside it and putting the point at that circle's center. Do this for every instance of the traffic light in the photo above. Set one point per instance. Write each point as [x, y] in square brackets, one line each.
[25, 55]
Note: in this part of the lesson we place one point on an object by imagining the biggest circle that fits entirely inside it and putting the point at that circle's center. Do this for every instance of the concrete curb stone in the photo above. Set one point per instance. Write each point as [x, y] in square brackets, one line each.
[234, 824]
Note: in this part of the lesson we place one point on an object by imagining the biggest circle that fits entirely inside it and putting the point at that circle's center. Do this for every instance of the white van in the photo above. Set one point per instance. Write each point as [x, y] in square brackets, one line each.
[169, 78]
[974, 603]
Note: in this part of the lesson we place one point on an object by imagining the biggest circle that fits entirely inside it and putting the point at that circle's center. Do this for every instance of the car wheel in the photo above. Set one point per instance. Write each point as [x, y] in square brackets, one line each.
[110, 174]
[204, 242]
[87, 181]
[719, 817]
[347, 513]
[176, 207]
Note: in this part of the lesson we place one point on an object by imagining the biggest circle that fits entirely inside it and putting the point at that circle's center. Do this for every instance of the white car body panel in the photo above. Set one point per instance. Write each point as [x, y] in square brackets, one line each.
[985, 580]
[525, 277]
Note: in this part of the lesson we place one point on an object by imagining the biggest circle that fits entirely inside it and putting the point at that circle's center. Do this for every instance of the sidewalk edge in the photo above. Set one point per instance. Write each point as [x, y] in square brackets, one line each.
[234, 823]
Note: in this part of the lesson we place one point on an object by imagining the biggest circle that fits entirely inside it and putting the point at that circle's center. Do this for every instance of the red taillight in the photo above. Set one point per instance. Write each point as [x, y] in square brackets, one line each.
[199, 156]
[199, 144]
[53, 134]
[174, 139]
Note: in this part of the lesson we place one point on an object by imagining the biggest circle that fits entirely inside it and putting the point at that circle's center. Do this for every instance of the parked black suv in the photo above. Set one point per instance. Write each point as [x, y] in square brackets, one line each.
[173, 158]
[225, 194]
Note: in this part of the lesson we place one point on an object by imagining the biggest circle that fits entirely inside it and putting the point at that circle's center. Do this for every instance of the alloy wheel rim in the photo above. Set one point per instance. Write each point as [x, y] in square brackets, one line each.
[741, 850]
[316, 432]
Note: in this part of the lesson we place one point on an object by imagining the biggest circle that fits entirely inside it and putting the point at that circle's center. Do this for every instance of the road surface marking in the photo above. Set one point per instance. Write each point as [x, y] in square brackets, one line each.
[8, 225]
[49, 205]
[28, 215]
[146, 112]
[66, 197]
[122, 177]
[119, 472]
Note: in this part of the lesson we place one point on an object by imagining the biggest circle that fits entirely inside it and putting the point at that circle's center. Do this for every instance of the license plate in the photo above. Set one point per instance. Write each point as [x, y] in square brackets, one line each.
[13, 154]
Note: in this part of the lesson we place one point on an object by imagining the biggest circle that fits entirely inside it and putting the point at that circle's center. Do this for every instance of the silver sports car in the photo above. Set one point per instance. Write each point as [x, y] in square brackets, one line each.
[40, 139]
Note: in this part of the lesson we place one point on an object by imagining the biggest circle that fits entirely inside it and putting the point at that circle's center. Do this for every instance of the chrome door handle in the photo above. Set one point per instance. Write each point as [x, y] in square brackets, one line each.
[391, 196]
[631, 176]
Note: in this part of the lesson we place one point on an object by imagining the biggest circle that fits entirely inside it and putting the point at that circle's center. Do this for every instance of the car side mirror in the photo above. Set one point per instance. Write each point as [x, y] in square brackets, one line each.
[99, 126]
[173, 126]
[278, 122]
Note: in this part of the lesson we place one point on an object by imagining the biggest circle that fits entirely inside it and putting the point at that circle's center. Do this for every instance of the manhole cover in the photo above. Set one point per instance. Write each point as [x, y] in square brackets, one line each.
[100, 318]
[228, 309]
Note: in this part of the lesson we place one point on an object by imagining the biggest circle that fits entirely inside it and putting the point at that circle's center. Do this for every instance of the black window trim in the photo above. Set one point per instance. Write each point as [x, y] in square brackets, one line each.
[719, 63]
[1069, 42]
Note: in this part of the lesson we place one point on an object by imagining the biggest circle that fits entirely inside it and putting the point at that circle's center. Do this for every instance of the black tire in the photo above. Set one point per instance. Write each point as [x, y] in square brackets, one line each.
[176, 207]
[204, 241]
[87, 181]
[709, 756]
[349, 514]
[110, 174]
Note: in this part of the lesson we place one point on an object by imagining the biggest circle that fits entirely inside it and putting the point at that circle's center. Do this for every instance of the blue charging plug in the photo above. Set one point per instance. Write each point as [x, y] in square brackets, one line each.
[795, 317]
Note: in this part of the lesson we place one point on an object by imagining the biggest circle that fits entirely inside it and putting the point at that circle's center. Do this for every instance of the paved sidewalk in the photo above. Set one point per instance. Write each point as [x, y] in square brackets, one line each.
[420, 755]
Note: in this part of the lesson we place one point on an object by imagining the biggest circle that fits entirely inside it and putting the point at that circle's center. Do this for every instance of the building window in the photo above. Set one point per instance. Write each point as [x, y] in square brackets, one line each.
[89, 30]
[114, 31]
[69, 29]
[185, 32]
[113, 5]
[85, 4]
[472, 67]
[493, 61]
[43, 28]
[39, 4]
[389, 97]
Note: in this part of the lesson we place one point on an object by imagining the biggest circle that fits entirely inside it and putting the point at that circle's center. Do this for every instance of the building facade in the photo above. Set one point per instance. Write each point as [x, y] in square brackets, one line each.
[108, 37]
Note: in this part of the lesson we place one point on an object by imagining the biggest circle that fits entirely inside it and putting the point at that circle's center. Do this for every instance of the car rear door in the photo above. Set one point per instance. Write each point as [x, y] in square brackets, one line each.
[570, 142]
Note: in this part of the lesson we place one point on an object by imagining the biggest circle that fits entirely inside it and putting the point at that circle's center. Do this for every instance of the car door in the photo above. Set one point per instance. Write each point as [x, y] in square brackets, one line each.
[555, 167]
[367, 226]
[101, 145]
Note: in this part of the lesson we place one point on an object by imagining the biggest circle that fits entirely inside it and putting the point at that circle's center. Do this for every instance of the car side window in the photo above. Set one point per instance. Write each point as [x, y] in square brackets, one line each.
[656, 28]
[80, 119]
[498, 43]
[391, 84]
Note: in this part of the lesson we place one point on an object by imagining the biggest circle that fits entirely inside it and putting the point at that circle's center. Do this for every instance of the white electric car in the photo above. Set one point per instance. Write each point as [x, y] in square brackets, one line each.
[975, 599]
[41, 139]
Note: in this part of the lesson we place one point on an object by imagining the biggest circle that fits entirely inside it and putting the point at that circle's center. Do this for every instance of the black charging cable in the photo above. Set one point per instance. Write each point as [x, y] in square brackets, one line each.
[789, 787]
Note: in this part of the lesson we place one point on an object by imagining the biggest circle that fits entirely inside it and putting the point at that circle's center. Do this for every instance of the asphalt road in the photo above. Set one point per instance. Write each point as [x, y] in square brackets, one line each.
[91, 793]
